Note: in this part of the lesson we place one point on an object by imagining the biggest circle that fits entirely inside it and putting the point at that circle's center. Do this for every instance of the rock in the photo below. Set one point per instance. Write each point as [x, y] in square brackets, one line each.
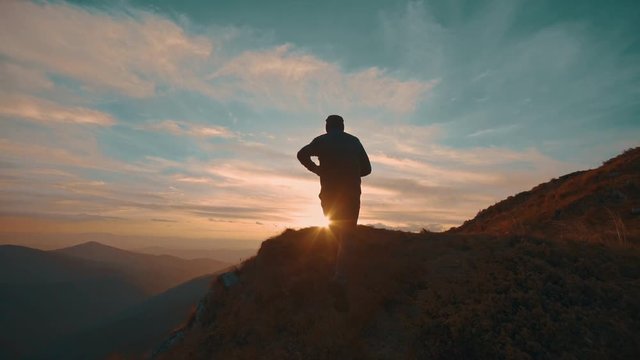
[635, 211]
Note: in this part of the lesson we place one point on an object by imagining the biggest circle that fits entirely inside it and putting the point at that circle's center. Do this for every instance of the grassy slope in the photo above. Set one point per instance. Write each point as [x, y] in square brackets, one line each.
[426, 296]
[598, 205]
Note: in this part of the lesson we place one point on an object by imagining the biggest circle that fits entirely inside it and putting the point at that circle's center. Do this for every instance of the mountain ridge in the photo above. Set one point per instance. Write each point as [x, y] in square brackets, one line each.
[153, 273]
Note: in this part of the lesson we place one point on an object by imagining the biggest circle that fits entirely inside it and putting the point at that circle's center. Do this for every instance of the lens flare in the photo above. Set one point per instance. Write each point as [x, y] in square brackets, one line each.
[324, 222]
[311, 216]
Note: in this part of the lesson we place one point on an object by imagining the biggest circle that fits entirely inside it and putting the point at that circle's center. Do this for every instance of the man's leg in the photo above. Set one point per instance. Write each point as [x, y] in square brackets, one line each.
[347, 219]
[344, 232]
[343, 213]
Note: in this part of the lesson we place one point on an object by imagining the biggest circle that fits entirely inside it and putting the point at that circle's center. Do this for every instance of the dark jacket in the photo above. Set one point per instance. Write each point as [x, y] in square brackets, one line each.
[343, 161]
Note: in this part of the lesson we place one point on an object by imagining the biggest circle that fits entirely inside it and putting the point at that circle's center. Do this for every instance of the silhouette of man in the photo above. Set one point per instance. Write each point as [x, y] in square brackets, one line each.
[343, 161]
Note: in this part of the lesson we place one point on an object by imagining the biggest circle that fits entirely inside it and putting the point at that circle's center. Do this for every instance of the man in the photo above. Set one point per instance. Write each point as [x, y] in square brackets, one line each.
[343, 161]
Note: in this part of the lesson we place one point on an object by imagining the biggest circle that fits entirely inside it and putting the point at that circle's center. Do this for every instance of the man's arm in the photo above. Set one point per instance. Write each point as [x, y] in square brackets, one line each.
[365, 164]
[304, 156]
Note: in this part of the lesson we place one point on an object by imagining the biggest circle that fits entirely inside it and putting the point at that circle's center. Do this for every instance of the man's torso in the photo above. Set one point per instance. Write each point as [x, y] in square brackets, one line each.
[339, 156]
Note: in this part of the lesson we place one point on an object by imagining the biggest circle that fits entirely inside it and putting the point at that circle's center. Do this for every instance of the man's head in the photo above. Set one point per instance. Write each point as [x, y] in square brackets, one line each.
[334, 123]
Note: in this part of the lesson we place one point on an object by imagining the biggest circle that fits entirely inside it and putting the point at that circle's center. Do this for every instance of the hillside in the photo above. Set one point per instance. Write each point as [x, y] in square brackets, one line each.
[135, 330]
[152, 273]
[48, 295]
[549, 273]
[45, 295]
[416, 296]
[601, 205]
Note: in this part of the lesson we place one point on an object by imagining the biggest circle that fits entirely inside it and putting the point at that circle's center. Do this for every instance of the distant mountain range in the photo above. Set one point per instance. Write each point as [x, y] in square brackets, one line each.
[232, 256]
[47, 295]
[151, 273]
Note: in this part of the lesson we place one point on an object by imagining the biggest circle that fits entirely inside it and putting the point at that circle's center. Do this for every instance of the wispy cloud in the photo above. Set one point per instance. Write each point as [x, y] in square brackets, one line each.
[194, 180]
[186, 128]
[131, 53]
[420, 181]
[289, 79]
[23, 78]
[136, 53]
[34, 109]
[501, 130]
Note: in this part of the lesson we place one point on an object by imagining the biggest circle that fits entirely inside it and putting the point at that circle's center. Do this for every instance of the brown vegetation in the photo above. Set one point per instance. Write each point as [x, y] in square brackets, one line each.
[416, 296]
[599, 205]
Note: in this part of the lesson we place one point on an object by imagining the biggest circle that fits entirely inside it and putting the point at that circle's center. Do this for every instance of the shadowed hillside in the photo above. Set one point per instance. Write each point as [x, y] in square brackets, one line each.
[44, 295]
[47, 295]
[550, 273]
[600, 205]
[137, 329]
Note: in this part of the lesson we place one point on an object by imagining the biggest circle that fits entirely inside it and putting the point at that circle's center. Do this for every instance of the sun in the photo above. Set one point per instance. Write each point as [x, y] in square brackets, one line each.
[319, 220]
[313, 217]
[324, 222]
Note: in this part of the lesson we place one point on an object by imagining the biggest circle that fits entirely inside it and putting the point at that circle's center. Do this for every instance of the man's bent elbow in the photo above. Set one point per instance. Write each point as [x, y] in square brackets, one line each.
[301, 156]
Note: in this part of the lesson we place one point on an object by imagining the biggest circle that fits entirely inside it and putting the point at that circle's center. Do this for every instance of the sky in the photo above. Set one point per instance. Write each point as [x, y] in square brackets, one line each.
[183, 119]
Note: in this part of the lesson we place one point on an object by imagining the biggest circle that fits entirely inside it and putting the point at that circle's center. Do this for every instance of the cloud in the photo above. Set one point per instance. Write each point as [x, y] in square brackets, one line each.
[499, 84]
[164, 220]
[436, 173]
[190, 190]
[501, 130]
[79, 151]
[19, 77]
[138, 54]
[421, 182]
[140, 64]
[34, 109]
[131, 53]
[418, 180]
[186, 128]
[193, 180]
[287, 79]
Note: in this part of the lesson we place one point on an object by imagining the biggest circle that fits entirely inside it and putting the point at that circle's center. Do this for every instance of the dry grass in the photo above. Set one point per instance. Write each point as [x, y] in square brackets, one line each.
[594, 205]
